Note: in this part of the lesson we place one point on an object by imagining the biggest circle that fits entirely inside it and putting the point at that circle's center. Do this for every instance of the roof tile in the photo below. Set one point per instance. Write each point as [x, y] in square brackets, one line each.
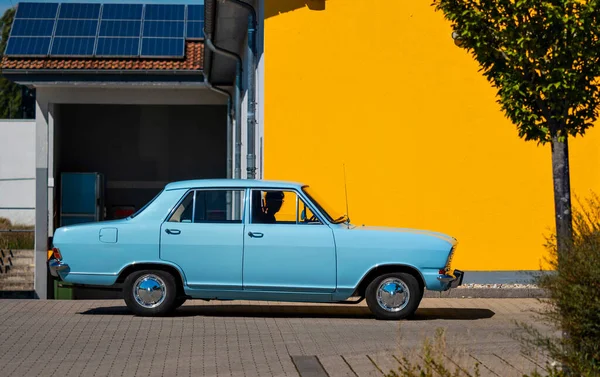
[192, 61]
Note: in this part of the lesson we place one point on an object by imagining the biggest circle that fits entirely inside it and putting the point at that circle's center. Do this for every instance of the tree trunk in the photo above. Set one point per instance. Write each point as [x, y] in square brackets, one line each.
[562, 193]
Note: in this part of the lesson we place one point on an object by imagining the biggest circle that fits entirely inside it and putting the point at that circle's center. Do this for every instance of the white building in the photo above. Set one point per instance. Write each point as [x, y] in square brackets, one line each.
[139, 122]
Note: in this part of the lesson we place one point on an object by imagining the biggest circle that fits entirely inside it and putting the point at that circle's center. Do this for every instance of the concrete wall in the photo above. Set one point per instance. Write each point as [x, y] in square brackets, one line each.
[17, 171]
[380, 86]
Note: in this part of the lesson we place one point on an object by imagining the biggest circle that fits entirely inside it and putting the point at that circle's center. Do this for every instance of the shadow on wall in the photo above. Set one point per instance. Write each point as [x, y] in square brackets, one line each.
[277, 7]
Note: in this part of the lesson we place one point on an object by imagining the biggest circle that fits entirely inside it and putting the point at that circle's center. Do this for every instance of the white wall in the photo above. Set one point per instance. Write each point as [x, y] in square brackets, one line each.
[17, 171]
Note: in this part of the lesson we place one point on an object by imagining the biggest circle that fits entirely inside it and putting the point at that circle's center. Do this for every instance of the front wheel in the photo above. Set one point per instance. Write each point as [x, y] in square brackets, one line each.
[393, 296]
[150, 293]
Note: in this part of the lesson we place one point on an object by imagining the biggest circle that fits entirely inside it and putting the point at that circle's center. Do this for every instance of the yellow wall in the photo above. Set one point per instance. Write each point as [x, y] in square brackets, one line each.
[380, 86]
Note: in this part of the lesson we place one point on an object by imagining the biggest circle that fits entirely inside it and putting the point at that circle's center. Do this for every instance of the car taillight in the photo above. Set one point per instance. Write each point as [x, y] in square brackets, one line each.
[57, 254]
[442, 271]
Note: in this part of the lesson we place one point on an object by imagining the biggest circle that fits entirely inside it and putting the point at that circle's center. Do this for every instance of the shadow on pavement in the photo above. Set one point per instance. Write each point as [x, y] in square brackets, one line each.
[297, 311]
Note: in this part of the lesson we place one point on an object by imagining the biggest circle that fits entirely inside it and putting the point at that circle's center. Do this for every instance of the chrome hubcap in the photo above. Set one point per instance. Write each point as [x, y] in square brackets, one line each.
[149, 291]
[393, 295]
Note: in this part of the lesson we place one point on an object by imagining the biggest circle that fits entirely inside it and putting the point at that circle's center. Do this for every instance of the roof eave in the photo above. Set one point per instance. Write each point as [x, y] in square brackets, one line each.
[76, 78]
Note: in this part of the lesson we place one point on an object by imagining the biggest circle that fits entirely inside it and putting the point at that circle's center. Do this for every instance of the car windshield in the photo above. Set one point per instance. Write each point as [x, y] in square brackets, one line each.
[332, 214]
[145, 206]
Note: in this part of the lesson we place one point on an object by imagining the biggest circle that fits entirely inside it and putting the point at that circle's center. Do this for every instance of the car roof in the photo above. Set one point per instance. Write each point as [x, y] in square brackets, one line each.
[241, 183]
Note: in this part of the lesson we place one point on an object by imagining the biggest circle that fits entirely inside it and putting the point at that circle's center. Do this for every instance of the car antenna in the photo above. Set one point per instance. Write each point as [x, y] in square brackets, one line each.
[346, 192]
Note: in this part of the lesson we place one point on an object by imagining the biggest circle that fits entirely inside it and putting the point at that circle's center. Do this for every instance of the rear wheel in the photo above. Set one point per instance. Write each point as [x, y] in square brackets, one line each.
[394, 296]
[150, 293]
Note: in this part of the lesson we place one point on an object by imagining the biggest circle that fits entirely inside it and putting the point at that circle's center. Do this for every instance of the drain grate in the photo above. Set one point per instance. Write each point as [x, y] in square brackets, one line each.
[309, 366]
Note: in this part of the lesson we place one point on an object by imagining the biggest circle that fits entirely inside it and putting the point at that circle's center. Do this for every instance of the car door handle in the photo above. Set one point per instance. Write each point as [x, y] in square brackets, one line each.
[173, 231]
[255, 234]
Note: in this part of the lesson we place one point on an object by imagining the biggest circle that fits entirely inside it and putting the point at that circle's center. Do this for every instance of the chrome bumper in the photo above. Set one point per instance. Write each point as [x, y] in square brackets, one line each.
[55, 266]
[453, 280]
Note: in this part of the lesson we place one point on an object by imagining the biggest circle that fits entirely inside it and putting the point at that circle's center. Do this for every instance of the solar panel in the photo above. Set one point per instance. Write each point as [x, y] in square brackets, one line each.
[91, 29]
[160, 12]
[34, 28]
[195, 30]
[120, 28]
[36, 10]
[73, 46]
[122, 11]
[79, 11]
[162, 47]
[76, 28]
[167, 29]
[28, 46]
[195, 13]
[119, 47]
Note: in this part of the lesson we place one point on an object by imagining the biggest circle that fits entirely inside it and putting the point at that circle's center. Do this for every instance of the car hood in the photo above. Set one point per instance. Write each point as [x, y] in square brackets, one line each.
[438, 235]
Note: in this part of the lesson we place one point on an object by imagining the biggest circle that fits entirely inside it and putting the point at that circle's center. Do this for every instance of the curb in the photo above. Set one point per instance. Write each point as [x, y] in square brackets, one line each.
[488, 293]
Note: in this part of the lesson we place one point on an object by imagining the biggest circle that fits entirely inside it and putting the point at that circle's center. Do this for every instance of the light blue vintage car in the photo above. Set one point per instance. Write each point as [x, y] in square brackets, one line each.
[252, 240]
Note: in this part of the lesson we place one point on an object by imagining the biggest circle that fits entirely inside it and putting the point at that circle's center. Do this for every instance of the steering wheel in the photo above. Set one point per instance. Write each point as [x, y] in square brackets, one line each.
[313, 218]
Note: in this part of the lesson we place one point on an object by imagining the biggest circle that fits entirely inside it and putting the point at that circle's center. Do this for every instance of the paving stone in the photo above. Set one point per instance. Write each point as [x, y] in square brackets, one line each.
[247, 338]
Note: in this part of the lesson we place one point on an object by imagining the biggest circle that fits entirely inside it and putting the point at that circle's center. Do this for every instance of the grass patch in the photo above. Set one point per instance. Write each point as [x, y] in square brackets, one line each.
[22, 241]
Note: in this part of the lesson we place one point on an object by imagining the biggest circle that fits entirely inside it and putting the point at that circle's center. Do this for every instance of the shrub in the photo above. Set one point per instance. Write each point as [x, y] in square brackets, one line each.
[435, 362]
[574, 298]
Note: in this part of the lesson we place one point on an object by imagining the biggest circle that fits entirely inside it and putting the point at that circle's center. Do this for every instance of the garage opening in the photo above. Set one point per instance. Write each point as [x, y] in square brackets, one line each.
[136, 149]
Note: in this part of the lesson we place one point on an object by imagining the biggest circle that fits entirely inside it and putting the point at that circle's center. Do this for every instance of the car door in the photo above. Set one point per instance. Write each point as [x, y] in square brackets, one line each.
[204, 236]
[283, 250]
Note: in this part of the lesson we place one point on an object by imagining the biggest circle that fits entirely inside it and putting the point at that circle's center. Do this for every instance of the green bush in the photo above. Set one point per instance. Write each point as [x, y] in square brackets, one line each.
[15, 240]
[574, 298]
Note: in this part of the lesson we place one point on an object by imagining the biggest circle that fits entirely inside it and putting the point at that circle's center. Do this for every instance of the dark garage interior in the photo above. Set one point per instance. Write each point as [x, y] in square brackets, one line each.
[139, 148]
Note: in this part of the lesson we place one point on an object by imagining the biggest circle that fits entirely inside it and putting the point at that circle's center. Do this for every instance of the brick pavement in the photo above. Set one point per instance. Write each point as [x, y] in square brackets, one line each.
[239, 338]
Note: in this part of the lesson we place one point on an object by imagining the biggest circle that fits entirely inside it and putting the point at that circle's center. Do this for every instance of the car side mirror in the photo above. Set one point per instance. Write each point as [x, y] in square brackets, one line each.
[303, 215]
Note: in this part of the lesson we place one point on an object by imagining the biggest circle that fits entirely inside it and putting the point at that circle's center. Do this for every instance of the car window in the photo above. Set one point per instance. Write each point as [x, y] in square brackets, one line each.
[305, 215]
[184, 212]
[280, 207]
[218, 206]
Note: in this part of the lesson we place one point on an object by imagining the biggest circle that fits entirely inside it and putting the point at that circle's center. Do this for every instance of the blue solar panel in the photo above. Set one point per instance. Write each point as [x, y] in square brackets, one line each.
[195, 30]
[122, 11]
[36, 10]
[120, 28]
[171, 29]
[76, 28]
[79, 11]
[34, 28]
[124, 47]
[195, 13]
[159, 12]
[27, 46]
[73, 46]
[125, 30]
[162, 47]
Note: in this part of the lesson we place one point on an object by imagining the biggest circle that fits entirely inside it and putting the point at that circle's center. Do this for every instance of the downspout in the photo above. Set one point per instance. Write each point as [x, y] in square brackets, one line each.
[251, 69]
[230, 115]
[209, 14]
[236, 100]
